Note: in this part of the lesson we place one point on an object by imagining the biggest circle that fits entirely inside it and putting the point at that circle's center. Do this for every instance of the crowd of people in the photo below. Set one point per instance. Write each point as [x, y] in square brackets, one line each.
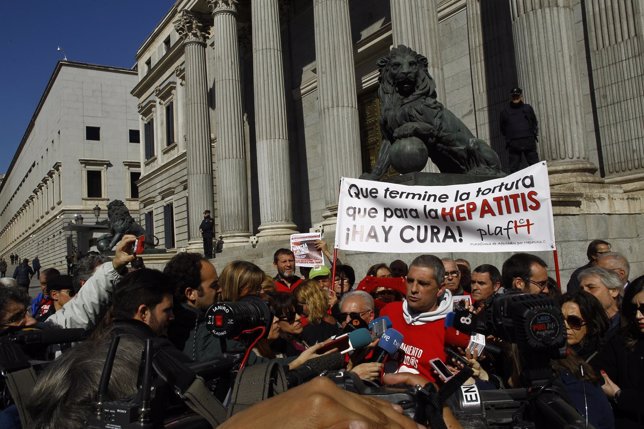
[598, 370]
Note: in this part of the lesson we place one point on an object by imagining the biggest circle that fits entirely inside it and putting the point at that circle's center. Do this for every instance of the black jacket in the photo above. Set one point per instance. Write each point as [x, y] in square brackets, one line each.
[626, 368]
[518, 120]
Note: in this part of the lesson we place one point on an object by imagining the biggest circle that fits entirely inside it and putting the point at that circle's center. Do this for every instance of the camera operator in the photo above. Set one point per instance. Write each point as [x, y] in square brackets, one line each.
[197, 288]
[526, 273]
[80, 312]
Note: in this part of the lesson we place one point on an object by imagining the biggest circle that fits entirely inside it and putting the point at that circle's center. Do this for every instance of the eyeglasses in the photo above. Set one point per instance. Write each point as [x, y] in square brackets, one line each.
[541, 285]
[18, 319]
[452, 273]
[353, 315]
[575, 322]
[385, 292]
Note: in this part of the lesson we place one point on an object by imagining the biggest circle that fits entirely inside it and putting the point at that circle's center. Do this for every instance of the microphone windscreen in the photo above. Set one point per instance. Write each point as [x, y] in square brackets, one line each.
[386, 319]
[360, 338]
[390, 341]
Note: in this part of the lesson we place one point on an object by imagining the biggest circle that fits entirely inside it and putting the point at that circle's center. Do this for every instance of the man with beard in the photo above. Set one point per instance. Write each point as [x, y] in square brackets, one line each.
[196, 290]
[286, 280]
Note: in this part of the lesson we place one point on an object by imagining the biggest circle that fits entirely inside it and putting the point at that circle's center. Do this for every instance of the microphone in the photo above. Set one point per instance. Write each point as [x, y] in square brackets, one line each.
[314, 367]
[389, 344]
[379, 325]
[46, 336]
[461, 320]
[348, 342]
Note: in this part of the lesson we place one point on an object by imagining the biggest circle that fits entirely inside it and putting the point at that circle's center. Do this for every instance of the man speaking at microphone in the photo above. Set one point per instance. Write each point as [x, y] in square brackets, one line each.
[420, 318]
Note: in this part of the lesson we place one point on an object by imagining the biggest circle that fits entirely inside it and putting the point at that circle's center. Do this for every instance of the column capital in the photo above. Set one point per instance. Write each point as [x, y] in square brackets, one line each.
[223, 6]
[190, 27]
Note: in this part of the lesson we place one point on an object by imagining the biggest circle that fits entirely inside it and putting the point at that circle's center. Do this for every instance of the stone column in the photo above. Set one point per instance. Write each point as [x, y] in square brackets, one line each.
[548, 72]
[198, 149]
[338, 103]
[273, 163]
[232, 190]
[414, 23]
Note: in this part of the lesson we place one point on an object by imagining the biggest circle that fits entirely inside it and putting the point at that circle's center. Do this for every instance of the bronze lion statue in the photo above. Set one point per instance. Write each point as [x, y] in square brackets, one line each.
[415, 125]
[121, 222]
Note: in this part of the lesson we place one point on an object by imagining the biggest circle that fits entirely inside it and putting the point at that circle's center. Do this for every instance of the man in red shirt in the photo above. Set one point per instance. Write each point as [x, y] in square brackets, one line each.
[420, 318]
[285, 280]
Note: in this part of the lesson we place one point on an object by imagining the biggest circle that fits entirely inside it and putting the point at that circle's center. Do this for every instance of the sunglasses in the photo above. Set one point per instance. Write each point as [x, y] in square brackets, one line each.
[575, 322]
[638, 307]
[289, 317]
[352, 315]
[452, 273]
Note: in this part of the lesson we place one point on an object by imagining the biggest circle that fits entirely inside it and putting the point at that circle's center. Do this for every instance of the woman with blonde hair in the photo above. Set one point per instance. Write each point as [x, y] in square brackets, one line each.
[314, 303]
[239, 279]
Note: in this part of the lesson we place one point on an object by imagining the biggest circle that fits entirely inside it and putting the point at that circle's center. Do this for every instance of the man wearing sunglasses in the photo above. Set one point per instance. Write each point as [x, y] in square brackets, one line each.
[526, 273]
[356, 309]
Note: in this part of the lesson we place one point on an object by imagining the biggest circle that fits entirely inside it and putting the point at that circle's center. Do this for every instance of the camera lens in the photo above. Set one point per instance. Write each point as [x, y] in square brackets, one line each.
[230, 319]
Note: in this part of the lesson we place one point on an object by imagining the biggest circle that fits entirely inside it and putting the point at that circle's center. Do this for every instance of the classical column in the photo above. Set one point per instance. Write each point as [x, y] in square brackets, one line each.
[545, 45]
[198, 149]
[414, 23]
[338, 104]
[232, 190]
[273, 163]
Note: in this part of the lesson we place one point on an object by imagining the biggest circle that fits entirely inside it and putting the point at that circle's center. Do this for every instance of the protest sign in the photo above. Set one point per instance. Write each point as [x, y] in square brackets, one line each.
[509, 214]
[303, 247]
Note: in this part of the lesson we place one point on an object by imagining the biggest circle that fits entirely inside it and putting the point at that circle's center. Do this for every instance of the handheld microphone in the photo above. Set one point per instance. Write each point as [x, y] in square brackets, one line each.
[379, 325]
[461, 320]
[389, 344]
[314, 367]
[348, 342]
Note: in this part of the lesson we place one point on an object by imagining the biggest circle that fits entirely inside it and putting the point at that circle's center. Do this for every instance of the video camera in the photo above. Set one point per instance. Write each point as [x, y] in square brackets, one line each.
[533, 323]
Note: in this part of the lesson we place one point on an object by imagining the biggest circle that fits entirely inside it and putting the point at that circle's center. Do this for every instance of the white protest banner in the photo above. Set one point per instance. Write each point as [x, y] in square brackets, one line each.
[509, 214]
[303, 247]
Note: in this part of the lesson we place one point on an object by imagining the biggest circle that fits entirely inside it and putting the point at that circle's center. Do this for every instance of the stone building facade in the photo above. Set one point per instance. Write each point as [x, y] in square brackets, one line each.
[256, 109]
[80, 150]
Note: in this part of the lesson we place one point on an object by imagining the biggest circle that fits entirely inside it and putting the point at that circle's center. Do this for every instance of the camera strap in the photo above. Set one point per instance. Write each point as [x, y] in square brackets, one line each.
[256, 383]
[200, 400]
